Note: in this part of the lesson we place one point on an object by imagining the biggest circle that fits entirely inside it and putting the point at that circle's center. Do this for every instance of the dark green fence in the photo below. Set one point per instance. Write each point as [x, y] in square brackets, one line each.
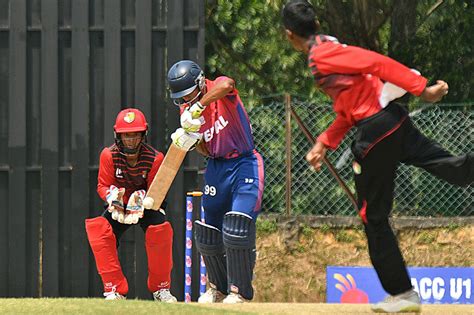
[417, 193]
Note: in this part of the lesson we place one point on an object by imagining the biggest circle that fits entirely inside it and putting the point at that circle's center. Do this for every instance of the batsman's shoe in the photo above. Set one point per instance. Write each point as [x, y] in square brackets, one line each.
[401, 303]
[234, 298]
[112, 295]
[212, 295]
[164, 295]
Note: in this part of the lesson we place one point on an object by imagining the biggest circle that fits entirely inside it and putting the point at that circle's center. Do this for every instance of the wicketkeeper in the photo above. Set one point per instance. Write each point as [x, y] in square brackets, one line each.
[233, 179]
[354, 78]
[126, 170]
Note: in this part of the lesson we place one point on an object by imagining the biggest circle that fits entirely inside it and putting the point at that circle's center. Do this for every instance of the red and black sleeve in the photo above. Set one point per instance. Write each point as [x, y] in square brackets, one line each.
[331, 57]
[335, 132]
[106, 175]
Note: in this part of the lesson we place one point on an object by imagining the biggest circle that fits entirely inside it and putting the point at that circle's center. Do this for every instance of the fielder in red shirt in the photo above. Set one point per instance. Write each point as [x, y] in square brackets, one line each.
[363, 85]
[126, 170]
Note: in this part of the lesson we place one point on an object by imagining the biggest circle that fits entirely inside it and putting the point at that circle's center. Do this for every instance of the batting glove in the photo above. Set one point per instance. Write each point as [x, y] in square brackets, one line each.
[185, 140]
[135, 208]
[189, 123]
[196, 110]
[114, 198]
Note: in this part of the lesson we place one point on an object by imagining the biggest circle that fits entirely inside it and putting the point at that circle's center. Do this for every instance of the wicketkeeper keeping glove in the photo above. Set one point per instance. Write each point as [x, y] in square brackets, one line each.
[185, 140]
[115, 200]
[134, 211]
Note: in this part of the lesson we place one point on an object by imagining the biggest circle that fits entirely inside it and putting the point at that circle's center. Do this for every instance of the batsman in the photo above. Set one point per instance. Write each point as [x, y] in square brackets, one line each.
[234, 179]
[126, 170]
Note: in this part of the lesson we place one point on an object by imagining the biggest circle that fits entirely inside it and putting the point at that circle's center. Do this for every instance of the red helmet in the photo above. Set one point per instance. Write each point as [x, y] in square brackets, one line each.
[130, 120]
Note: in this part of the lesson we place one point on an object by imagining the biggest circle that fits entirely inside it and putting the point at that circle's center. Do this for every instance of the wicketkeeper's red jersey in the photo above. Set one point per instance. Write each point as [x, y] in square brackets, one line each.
[352, 77]
[114, 170]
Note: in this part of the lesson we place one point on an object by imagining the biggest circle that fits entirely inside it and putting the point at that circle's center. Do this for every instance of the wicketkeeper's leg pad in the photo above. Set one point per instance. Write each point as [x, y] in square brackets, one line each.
[239, 233]
[209, 243]
[103, 244]
[159, 250]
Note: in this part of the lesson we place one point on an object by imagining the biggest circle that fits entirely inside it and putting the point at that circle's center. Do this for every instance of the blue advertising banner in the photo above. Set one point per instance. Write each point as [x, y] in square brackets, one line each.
[435, 285]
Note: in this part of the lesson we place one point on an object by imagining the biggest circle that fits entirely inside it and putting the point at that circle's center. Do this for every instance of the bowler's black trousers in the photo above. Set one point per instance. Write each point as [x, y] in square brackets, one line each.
[382, 142]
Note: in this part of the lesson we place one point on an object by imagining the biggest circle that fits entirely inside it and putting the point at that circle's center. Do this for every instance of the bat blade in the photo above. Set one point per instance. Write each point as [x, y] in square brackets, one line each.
[166, 173]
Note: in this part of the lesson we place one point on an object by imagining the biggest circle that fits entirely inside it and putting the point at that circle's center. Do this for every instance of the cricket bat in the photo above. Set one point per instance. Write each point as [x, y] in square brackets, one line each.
[164, 177]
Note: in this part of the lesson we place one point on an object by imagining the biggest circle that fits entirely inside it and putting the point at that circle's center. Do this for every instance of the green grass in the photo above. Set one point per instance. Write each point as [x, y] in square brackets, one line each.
[426, 237]
[306, 230]
[343, 236]
[99, 306]
[325, 228]
[452, 227]
[136, 307]
[266, 226]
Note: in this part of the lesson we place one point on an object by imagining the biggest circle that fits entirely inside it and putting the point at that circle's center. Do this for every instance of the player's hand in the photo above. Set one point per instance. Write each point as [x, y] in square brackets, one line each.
[134, 211]
[185, 140]
[196, 110]
[115, 200]
[316, 155]
[189, 123]
[435, 92]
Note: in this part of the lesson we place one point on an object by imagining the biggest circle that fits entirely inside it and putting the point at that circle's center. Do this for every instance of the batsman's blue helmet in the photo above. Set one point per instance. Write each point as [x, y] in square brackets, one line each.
[183, 78]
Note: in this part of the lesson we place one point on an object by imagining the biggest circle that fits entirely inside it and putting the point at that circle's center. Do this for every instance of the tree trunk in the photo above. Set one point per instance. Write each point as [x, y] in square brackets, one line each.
[403, 28]
[402, 31]
[357, 22]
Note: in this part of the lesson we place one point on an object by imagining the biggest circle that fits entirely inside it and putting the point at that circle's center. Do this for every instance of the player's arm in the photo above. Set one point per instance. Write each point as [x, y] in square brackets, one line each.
[106, 177]
[435, 92]
[329, 139]
[106, 187]
[316, 155]
[223, 86]
[334, 134]
[336, 58]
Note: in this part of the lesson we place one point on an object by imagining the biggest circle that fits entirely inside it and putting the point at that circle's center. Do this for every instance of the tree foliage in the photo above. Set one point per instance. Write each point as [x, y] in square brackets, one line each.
[245, 40]
[443, 46]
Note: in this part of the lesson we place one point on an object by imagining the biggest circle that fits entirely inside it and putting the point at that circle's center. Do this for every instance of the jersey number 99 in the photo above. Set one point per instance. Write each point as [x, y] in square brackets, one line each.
[210, 190]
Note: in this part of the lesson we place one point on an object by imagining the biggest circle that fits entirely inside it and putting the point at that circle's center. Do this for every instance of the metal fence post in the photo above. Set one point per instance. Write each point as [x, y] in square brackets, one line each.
[288, 153]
